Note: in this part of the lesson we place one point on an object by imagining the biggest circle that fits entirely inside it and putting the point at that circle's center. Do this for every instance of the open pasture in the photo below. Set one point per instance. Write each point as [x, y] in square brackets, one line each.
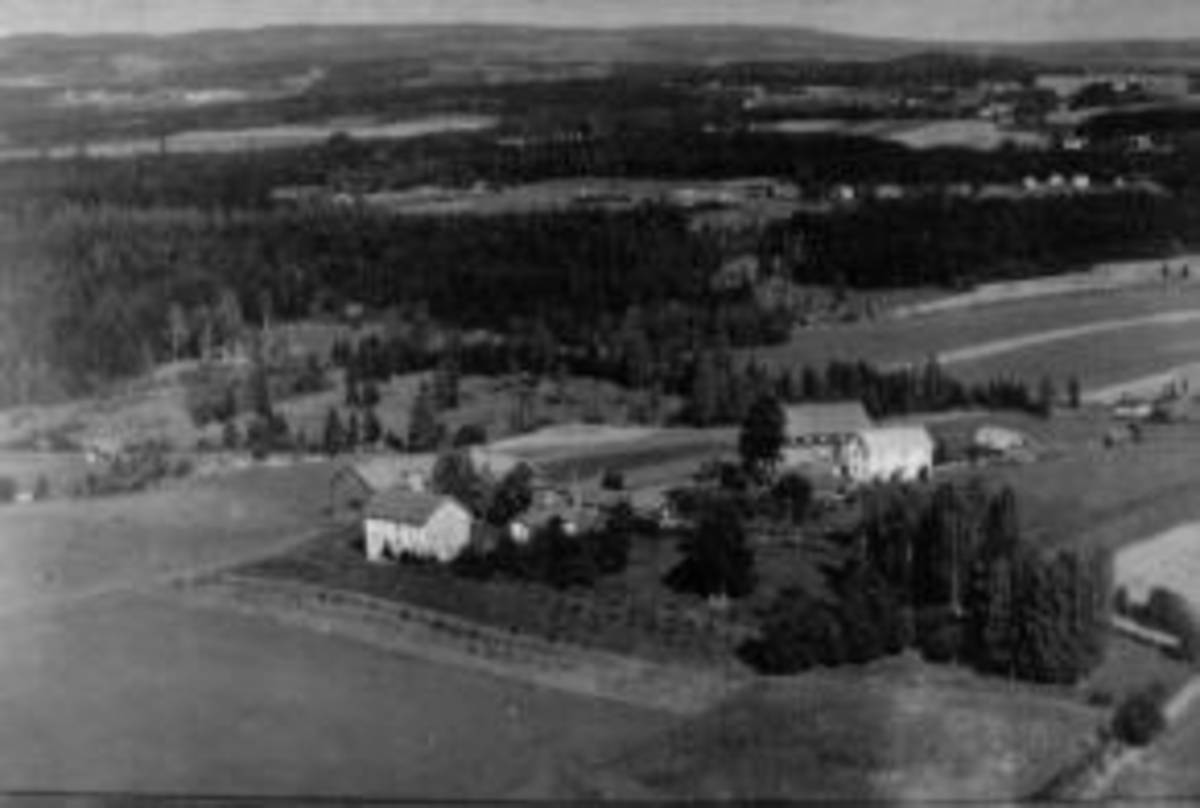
[857, 737]
[1111, 497]
[140, 695]
[281, 136]
[64, 550]
[890, 340]
[1103, 339]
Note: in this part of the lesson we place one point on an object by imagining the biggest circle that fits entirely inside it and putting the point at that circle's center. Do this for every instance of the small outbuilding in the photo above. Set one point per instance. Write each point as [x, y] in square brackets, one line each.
[998, 440]
[402, 522]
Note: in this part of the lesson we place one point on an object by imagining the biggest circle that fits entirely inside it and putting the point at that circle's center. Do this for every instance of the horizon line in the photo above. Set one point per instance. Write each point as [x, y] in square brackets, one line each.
[601, 28]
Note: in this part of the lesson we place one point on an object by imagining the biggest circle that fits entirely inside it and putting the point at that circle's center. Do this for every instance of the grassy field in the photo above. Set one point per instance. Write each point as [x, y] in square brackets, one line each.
[110, 682]
[1111, 497]
[888, 341]
[857, 737]
[64, 550]
[137, 694]
[205, 141]
[1098, 360]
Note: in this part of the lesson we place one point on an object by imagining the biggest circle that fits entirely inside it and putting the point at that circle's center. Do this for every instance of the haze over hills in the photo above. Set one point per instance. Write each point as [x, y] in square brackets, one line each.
[109, 58]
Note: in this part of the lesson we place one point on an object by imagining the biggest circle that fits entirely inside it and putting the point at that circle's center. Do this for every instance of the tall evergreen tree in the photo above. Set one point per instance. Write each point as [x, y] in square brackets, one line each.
[424, 431]
[762, 437]
[717, 561]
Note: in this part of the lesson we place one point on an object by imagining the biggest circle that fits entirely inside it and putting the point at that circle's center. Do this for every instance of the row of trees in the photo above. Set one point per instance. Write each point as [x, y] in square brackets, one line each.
[951, 573]
[721, 390]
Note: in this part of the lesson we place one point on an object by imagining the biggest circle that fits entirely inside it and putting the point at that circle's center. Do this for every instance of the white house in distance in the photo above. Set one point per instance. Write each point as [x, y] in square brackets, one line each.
[400, 521]
[890, 453]
[817, 432]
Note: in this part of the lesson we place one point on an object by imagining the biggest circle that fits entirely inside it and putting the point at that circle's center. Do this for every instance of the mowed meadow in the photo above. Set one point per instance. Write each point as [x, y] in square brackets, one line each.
[1103, 338]
[111, 682]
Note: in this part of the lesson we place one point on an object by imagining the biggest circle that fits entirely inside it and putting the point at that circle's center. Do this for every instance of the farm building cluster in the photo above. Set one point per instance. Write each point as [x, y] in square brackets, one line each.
[402, 515]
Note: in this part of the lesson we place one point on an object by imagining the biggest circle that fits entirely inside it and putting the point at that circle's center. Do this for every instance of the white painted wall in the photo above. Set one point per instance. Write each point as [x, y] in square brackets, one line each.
[443, 537]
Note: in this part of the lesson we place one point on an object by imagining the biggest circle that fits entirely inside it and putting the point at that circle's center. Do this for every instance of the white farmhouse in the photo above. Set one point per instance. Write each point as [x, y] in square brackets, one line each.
[400, 521]
[892, 453]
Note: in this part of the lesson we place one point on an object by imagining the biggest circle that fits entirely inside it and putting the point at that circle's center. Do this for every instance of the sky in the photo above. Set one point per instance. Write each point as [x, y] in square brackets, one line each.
[996, 20]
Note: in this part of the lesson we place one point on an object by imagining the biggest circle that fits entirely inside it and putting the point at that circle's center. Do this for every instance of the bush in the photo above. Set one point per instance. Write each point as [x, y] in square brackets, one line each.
[613, 480]
[939, 635]
[792, 496]
[8, 490]
[798, 632]
[1169, 612]
[1139, 718]
[470, 435]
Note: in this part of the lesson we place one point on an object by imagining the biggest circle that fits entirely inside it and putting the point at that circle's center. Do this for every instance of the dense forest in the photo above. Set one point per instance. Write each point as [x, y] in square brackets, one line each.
[99, 253]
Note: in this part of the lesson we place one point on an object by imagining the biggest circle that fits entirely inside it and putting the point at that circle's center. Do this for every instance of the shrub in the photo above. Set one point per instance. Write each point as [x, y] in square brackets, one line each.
[470, 435]
[939, 635]
[1169, 612]
[1139, 718]
[793, 496]
[613, 480]
[8, 489]
[798, 632]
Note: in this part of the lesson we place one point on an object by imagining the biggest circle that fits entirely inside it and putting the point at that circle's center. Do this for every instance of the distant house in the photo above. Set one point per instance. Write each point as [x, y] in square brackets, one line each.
[817, 432]
[402, 522]
[893, 453]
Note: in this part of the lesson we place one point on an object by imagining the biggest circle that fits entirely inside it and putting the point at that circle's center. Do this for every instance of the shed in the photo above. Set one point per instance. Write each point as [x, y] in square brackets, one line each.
[999, 440]
[403, 522]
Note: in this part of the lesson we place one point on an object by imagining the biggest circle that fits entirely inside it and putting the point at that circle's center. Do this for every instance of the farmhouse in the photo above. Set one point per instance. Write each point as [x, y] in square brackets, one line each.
[817, 432]
[400, 521]
[894, 453]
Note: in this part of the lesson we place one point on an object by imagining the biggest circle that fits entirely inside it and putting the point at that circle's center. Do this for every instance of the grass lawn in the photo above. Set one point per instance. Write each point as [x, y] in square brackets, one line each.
[1131, 666]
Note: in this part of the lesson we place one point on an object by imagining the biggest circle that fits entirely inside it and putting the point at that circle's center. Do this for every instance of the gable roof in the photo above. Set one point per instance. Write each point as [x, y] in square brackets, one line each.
[841, 418]
[406, 507]
[385, 471]
[889, 439]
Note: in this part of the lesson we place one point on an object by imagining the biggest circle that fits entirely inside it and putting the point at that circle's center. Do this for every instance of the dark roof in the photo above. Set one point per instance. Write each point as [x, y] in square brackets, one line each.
[844, 418]
[406, 507]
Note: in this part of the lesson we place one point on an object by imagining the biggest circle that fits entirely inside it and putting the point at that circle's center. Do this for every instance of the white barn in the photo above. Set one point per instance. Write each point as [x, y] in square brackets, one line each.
[892, 453]
[401, 521]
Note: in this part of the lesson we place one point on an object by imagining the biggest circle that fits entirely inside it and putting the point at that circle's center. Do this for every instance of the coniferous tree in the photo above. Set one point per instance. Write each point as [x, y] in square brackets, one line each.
[424, 431]
[333, 440]
[717, 561]
[761, 440]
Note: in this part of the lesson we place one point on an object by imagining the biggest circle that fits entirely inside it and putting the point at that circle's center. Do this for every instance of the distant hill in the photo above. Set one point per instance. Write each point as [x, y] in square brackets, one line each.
[121, 59]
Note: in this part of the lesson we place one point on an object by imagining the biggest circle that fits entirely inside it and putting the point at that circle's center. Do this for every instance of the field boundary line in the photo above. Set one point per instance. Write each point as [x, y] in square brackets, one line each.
[448, 639]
